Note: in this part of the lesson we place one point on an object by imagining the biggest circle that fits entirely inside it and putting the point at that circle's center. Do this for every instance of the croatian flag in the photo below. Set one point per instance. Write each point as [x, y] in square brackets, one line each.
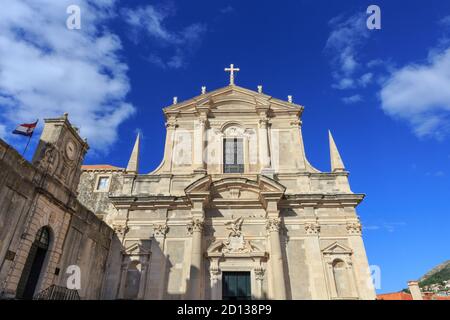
[26, 129]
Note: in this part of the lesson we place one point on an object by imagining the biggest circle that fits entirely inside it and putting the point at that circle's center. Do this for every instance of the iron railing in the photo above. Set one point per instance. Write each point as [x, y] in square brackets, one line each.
[55, 292]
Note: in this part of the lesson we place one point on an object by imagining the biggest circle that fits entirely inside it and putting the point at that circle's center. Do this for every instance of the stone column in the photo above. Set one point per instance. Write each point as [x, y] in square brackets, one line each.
[196, 259]
[318, 285]
[216, 277]
[159, 233]
[264, 156]
[168, 150]
[259, 278]
[199, 146]
[298, 143]
[361, 268]
[276, 258]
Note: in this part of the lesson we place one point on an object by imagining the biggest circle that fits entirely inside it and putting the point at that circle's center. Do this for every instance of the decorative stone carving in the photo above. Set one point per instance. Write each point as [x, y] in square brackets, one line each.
[296, 123]
[120, 229]
[259, 273]
[312, 228]
[49, 159]
[264, 122]
[195, 226]
[215, 272]
[273, 224]
[202, 122]
[354, 228]
[237, 244]
[160, 230]
[235, 227]
[171, 124]
[233, 132]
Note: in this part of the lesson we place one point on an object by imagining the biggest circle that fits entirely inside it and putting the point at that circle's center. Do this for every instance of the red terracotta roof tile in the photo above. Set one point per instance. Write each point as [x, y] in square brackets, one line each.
[101, 167]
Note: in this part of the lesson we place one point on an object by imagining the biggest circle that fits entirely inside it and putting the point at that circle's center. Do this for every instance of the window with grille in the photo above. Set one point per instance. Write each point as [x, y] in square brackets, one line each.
[233, 155]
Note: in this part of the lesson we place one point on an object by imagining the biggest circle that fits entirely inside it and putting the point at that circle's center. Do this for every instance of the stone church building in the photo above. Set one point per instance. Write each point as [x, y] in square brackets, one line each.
[234, 211]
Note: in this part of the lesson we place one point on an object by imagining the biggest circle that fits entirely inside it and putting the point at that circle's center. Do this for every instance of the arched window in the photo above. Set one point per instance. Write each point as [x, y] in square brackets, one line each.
[341, 279]
[133, 280]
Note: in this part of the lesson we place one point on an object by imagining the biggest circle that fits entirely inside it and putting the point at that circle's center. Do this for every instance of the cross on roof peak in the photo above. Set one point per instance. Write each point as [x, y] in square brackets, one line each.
[231, 70]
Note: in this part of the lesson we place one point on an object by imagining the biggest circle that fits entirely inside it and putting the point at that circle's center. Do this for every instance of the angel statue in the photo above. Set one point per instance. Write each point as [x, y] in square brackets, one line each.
[235, 227]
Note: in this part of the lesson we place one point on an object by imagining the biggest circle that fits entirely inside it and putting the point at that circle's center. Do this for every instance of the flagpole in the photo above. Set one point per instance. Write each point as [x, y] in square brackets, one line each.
[26, 147]
[29, 139]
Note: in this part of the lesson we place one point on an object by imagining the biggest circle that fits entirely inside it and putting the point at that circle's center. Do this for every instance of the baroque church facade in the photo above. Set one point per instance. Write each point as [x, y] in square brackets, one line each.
[234, 211]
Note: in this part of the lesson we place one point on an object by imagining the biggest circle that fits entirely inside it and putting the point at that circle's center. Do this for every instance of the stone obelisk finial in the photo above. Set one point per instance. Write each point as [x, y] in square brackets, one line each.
[336, 161]
[133, 163]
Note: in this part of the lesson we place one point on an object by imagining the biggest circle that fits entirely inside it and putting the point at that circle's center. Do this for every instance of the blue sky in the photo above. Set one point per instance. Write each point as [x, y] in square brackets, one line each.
[385, 94]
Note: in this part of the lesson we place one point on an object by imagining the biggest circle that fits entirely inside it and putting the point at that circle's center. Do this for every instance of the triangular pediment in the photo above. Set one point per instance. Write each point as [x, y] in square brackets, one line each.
[136, 249]
[232, 98]
[337, 248]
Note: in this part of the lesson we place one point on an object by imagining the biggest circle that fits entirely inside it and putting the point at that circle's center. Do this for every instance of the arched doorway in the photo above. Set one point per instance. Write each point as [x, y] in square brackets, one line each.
[33, 266]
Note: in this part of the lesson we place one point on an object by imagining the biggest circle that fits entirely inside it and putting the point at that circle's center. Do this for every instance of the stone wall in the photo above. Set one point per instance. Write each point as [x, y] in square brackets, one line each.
[97, 200]
[29, 200]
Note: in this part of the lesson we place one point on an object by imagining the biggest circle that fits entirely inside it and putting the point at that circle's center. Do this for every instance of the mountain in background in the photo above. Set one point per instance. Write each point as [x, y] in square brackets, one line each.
[437, 280]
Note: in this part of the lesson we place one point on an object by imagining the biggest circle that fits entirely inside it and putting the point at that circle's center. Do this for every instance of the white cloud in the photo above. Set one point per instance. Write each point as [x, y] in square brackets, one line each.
[384, 226]
[152, 20]
[419, 94]
[227, 9]
[366, 79]
[2, 131]
[445, 21]
[439, 173]
[46, 69]
[352, 99]
[346, 37]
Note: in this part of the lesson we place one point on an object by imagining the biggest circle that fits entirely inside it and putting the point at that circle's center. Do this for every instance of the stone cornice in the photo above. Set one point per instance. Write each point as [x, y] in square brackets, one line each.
[320, 200]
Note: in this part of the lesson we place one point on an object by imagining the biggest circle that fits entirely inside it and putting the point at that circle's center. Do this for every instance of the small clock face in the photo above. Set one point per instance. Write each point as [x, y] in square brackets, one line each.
[71, 150]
